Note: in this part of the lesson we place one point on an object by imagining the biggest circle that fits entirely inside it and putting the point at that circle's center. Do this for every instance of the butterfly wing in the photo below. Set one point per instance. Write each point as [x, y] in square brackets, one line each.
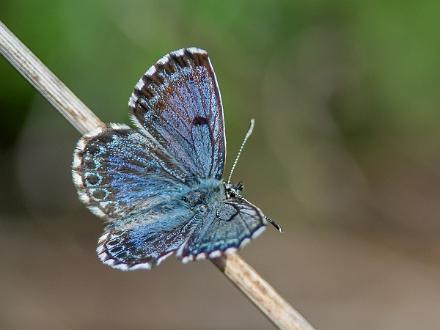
[140, 242]
[228, 227]
[117, 172]
[135, 185]
[177, 102]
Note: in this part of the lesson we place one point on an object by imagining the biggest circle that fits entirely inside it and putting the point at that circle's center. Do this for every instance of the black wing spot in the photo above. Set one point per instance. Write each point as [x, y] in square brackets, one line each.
[99, 194]
[92, 149]
[92, 179]
[200, 121]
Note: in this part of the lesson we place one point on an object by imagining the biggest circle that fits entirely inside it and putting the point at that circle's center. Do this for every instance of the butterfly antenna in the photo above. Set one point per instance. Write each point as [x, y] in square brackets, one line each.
[248, 134]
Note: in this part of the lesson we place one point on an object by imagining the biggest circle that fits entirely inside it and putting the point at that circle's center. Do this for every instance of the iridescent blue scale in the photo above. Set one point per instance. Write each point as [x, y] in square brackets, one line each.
[159, 186]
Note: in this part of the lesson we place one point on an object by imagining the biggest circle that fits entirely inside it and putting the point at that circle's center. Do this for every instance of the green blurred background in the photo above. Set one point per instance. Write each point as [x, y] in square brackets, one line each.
[345, 155]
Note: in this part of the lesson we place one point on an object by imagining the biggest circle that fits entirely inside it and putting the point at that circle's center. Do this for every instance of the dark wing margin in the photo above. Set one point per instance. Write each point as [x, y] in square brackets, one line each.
[178, 103]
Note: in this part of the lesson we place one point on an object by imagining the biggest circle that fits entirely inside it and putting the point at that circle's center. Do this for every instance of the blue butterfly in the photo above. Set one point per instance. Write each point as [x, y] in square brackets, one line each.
[159, 187]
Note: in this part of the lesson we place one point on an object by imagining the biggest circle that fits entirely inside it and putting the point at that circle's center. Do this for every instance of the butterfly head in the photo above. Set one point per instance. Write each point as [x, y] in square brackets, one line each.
[233, 190]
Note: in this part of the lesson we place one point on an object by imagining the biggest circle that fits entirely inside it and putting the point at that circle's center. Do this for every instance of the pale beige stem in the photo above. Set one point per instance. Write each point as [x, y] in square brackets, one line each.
[261, 293]
[84, 120]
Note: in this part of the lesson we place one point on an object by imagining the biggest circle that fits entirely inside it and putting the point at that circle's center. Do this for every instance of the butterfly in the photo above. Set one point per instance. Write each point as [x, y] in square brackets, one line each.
[159, 186]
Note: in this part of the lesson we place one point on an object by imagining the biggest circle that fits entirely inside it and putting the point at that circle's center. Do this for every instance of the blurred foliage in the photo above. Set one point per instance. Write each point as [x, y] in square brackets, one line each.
[359, 77]
[100, 48]
[346, 100]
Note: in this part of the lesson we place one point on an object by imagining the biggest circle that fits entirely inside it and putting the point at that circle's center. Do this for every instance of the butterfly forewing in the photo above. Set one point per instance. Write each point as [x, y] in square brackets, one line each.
[118, 172]
[178, 103]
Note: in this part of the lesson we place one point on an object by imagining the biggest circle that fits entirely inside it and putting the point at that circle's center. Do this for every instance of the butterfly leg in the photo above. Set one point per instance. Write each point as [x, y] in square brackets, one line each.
[273, 223]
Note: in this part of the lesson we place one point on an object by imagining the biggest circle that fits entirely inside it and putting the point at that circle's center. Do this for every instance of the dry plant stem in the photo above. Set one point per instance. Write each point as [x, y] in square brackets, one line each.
[260, 293]
[84, 120]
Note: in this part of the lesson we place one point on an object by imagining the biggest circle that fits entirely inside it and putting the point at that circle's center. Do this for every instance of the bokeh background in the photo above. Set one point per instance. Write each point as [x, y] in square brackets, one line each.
[345, 154]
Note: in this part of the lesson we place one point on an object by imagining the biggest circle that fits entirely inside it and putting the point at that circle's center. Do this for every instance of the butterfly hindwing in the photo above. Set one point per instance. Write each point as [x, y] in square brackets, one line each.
[137, 242]
[178, 103]
[228, 227]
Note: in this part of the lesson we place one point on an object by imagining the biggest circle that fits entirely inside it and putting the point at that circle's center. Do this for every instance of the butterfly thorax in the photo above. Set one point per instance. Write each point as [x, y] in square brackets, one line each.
[210, 192]
[205, 192]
